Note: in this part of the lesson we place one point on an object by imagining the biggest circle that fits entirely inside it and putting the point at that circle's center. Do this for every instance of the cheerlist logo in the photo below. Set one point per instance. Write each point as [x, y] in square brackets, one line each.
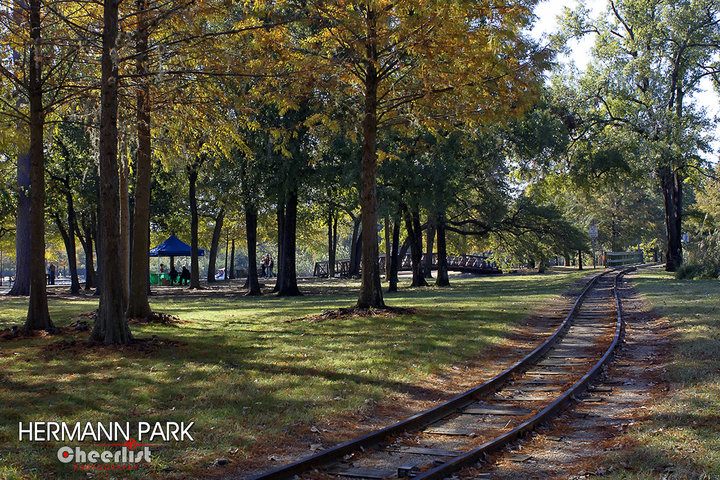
[132, 443]
[124, 459]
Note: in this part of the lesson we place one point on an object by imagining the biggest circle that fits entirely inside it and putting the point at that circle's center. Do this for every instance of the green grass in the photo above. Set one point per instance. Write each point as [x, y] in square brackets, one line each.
[681, 436]
[248, 379]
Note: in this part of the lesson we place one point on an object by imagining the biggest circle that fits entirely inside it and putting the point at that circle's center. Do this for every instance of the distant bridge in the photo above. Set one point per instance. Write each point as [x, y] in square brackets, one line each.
[477, 264]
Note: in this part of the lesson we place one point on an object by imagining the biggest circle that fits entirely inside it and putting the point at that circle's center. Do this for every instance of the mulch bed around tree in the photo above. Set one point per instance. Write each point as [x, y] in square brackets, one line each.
[17, 332]
[157, 317]
[355, 312]
[83, 323]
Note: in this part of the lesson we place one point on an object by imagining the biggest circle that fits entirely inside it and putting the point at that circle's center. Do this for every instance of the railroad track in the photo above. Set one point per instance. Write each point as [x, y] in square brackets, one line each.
[460, 432]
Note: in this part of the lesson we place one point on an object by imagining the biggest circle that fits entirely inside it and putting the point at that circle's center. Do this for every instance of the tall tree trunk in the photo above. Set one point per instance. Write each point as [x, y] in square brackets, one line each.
[388, 247]
[227, 252]
[38, 317]
[87, 251]
[335, 240]
[217, 230]
[671, 183]
[430, 244]
[23, 254]
[68, 237]
[412, 223]
[124, 252]
[580, 265]
[232, 260]
[421, 282]
[672, 195]
[288, 287]
[138, 304]
[281, 235]
[251, 217]
[21, 287]
[394, 259]
[442, 280]
[403, 250]
[148, 291]
[192, 197]
[355, 267]
[370, 290]
[65, 238]
[86, 240]
[111, 325]
[98, 249]
[332, 233]
[72, 247]
[355, 248]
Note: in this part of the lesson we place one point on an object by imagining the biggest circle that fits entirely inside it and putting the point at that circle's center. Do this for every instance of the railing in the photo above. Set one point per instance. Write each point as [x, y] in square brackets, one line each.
[616, 259]
[460, 263]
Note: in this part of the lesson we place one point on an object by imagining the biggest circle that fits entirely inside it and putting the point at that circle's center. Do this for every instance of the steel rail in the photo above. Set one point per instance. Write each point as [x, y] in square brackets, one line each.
[438, 412]
[477, 454]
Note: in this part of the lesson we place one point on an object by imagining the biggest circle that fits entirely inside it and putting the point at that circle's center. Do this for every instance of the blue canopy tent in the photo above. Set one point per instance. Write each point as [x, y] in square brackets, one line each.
[172, 247]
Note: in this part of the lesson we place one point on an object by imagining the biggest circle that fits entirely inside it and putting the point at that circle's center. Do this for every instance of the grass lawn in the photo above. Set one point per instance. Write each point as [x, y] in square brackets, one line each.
[681, 437]
[249, 379]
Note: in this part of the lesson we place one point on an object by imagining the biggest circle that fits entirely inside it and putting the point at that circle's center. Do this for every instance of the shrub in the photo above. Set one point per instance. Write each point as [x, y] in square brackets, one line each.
[703, 257]
[692, 271]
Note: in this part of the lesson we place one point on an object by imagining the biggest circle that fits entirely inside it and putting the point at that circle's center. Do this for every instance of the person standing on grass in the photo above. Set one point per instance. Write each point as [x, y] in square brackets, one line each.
[51, 272]
[270, 265]
[263, 267]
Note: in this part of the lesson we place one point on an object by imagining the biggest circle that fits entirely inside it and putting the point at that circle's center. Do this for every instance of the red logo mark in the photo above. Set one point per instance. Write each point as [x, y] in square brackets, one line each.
[131, 444]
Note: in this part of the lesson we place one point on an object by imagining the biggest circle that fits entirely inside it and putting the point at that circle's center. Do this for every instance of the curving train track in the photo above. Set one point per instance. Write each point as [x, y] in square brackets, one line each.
[460, 432]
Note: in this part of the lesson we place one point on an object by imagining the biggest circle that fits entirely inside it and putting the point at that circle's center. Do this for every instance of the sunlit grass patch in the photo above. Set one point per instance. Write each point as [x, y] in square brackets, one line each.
[681, 438]
[248, 378]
